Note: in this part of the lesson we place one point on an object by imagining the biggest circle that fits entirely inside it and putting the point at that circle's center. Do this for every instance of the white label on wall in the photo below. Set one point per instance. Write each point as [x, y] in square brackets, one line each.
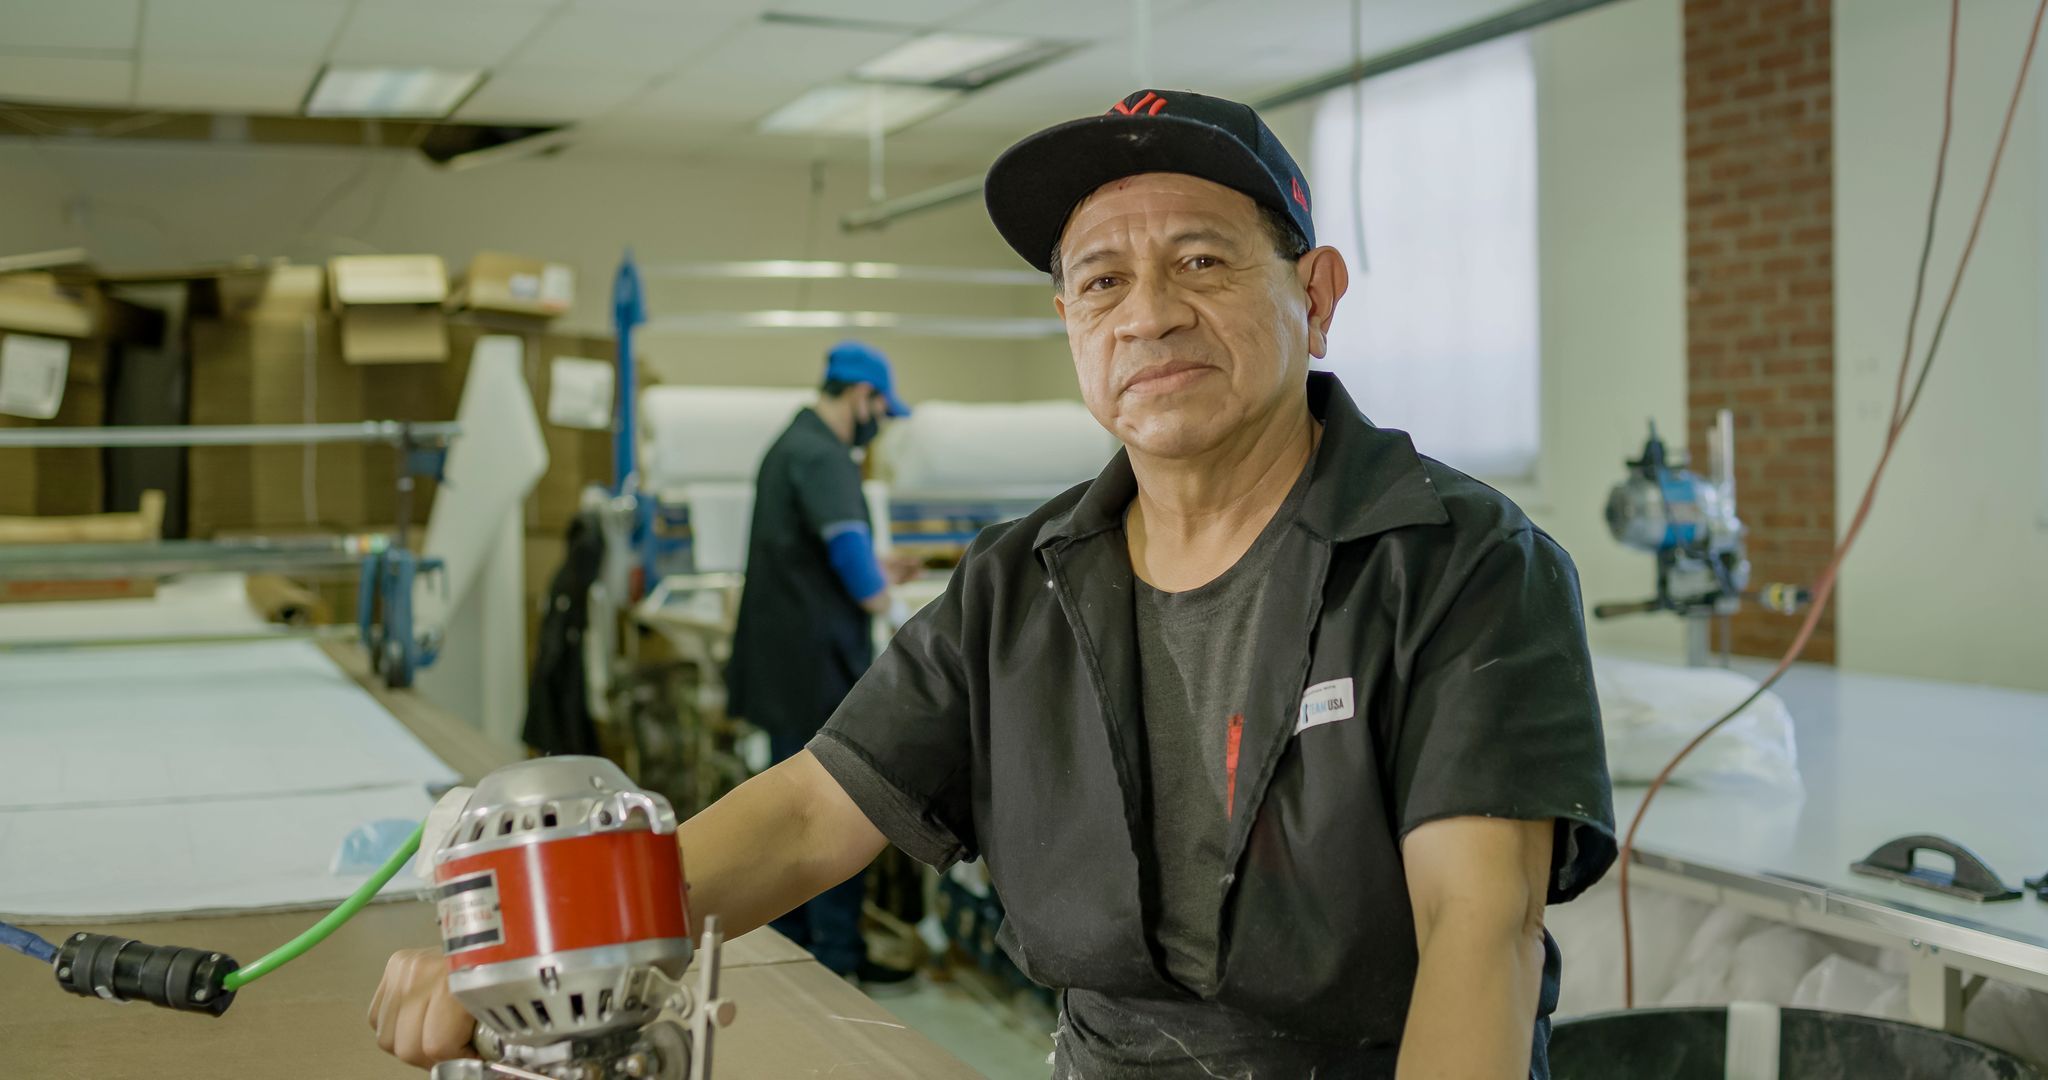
[557, 286]
[580, 393]
[32, 374]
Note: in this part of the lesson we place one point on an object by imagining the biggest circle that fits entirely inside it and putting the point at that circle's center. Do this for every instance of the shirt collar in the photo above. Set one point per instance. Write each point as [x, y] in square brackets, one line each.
[1367, 480]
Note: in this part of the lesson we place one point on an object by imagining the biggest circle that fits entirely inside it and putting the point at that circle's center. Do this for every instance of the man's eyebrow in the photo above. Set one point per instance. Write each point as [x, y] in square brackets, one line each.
[1179, 239]
[1203, 236]
[1090, 257]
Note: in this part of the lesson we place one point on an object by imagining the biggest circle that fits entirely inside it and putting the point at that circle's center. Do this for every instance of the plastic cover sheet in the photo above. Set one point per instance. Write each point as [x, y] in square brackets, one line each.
[1650, 711]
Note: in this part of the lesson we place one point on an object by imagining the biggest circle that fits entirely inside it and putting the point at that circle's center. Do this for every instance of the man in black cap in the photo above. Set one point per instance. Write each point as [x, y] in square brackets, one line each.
[1276, 737]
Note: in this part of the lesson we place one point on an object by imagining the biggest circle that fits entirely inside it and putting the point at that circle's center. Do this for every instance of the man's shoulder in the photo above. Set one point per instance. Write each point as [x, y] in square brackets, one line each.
[1481, 517]
[1004, 545]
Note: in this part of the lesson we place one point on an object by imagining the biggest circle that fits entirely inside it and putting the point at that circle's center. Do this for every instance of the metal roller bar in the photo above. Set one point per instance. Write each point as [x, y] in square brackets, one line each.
[953, 326]
[815, 270]
[85, 562]
[311, 633]
[392, 432]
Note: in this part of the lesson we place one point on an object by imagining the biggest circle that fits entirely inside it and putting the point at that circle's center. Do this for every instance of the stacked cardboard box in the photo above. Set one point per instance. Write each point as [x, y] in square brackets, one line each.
[49, 316]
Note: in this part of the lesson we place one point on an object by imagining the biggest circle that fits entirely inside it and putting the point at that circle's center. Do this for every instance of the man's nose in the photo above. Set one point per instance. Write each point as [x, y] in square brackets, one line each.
[1152, 309]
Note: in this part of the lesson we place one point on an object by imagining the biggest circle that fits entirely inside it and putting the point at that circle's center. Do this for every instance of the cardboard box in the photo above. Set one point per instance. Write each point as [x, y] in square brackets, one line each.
[279, 292]
[277, 372]
[516, 285]
[69, 481]
[390, 308]
[38, 303]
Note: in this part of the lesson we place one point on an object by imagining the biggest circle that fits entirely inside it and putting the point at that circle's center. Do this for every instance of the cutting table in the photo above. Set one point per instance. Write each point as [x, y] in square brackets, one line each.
[1881, 758]
[206, 843]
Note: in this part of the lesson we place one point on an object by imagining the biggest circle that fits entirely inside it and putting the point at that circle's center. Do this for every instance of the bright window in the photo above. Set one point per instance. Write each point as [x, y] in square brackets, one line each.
[1438, 335]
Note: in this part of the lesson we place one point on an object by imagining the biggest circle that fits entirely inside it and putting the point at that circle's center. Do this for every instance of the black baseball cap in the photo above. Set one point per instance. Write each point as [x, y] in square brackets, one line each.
[1035, 185]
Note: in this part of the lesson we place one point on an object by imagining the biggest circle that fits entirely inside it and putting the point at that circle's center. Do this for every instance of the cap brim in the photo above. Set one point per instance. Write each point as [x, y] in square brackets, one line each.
[1035, 185]
[896, 407]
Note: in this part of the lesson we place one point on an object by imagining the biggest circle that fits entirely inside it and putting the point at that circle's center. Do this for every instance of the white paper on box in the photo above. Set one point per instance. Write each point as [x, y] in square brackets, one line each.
[580, 393]
[32, 374]
[525, 287]
[557, 286]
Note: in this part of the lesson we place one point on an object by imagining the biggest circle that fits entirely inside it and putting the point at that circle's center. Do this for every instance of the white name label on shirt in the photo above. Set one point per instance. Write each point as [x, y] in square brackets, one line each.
[1326, 703]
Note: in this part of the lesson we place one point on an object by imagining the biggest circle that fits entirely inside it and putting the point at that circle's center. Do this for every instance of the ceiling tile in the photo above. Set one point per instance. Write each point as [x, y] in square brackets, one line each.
[909, 12]
[269, 29]
[68, 24]
[644, 42]
[444, 33]
[556, 95]
[731, 81]
[238, 86]
[65, 80]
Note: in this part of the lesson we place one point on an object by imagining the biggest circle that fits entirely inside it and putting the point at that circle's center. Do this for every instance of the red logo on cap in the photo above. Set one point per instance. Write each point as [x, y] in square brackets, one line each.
[1139, 109]
[1300, 196]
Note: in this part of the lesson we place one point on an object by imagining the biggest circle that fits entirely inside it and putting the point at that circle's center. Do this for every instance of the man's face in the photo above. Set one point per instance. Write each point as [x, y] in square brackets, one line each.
[1184, 322]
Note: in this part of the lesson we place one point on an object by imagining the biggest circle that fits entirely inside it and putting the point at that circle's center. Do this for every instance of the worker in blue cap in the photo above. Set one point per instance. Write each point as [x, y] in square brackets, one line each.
[812, 583]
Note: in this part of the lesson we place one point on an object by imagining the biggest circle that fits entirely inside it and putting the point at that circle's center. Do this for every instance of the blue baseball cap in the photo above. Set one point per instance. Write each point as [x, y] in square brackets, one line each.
[859, 362]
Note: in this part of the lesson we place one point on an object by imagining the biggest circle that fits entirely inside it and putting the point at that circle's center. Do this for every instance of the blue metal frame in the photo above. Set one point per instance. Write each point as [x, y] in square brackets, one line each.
[629, 312]
[384, 614]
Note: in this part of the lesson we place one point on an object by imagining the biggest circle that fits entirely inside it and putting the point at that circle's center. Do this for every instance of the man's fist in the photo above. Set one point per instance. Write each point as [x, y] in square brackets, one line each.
[417, 1020]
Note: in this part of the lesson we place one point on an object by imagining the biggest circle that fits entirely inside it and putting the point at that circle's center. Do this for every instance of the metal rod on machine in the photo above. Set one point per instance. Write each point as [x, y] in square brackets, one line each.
[370, 431]
[311, 633]
[81, 562]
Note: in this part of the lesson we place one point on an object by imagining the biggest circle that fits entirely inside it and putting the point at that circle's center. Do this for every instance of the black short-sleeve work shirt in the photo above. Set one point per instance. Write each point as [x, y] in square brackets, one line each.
[1422, 655]
[800, 640]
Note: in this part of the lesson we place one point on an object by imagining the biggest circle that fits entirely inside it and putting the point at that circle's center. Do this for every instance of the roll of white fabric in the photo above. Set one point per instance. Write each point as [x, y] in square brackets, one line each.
[983, 448]
[695, 434]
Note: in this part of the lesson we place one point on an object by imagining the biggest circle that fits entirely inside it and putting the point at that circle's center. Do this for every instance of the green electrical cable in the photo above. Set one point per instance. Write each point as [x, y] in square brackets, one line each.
[299, 946]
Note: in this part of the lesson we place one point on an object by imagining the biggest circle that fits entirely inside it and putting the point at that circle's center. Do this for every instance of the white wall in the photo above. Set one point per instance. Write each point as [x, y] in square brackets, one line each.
[1950, 578]
[152, 204]
[1611, 249]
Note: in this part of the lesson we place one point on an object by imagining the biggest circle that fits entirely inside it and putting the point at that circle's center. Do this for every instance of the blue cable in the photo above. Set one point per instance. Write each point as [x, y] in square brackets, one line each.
[26, 943]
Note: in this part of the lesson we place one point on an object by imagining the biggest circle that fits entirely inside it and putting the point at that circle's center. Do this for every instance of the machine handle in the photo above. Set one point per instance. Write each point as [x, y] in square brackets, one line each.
[1972, 879]
[1618, 609]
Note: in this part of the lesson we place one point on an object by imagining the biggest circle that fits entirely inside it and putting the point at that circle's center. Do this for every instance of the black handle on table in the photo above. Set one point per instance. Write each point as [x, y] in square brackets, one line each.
[1972, 879]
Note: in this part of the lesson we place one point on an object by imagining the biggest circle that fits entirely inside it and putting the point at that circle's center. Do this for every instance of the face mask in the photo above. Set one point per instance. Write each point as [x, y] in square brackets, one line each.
[864, 431]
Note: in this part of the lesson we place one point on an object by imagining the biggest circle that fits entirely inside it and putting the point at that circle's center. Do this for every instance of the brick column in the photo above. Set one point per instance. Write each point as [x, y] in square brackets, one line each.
[1759, 219]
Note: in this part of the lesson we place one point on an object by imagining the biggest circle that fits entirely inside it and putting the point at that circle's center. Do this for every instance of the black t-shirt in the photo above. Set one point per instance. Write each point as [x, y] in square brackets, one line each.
[1423, 656]
[800, 640]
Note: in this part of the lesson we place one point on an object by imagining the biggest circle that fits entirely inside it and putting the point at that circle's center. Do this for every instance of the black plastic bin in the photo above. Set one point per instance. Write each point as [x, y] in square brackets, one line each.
[1691, 1044]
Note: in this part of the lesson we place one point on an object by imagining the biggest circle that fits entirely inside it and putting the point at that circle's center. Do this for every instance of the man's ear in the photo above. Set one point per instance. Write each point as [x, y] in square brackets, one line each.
[1324, 278]
[1059, 306]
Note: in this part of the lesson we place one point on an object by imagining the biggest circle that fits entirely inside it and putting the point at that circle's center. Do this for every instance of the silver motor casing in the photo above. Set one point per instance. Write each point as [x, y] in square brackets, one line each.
[549, 998]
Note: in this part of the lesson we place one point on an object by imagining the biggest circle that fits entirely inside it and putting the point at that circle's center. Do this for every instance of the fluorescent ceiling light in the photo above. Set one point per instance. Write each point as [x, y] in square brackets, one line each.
[853, 108]
[936, 58]
[421, 93]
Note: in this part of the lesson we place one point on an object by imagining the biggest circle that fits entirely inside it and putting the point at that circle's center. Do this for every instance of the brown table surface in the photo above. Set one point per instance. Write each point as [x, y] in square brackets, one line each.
[307, 1020]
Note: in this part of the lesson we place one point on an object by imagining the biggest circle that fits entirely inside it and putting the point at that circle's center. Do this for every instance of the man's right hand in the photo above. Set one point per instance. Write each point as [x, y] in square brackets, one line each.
[415, 1016]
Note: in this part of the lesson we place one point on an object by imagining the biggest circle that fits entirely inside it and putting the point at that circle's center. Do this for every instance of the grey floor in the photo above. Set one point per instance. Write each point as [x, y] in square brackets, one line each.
[1001, 1038]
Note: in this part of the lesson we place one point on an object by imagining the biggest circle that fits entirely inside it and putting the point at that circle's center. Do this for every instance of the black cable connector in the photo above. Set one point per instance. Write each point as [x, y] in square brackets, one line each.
[118, 969]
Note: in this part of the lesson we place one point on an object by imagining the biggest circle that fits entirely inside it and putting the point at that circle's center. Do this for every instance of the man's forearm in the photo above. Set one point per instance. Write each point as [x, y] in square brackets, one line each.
[773, 843]
[1474, 1010]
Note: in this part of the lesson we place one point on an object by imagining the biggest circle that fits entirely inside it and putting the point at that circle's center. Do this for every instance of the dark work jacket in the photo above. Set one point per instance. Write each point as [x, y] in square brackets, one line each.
[1006, 721]
[557, 697]
[800, 641]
